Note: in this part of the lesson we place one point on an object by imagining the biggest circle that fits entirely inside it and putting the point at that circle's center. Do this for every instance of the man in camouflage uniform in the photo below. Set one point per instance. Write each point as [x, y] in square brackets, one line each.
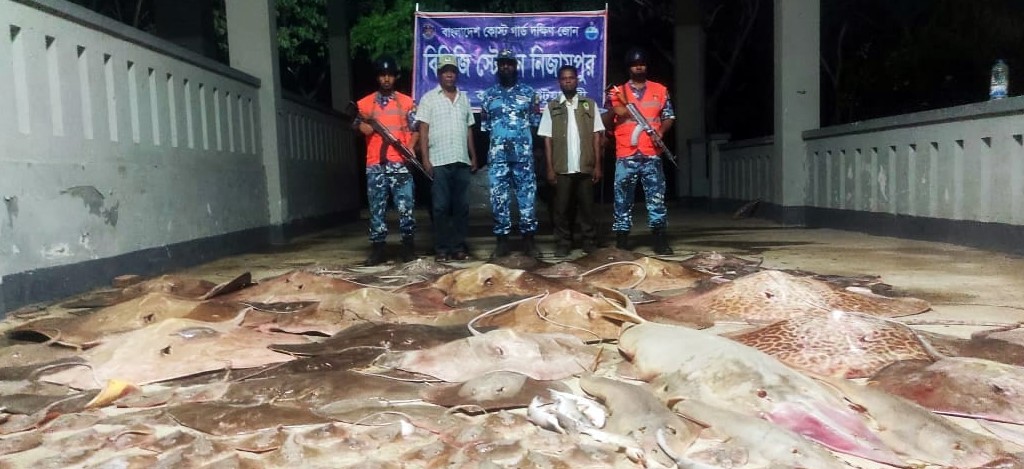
[386, 173]
[508, 110]
[638, 160]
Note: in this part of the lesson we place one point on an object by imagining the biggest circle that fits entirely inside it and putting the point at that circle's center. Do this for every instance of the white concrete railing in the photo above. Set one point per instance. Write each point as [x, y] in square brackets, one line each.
[316, 143]
[960, 163]
[115, 141]
[741, 170]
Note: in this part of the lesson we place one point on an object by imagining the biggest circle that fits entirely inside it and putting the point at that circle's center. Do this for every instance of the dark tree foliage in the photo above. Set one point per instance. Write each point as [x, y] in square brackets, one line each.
[914, 55]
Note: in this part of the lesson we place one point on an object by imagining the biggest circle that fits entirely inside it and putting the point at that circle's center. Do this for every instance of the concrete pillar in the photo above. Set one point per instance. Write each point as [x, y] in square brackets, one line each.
[187, 23]
[252, 46]
[797, 101]
[339, 17]
[688, 98]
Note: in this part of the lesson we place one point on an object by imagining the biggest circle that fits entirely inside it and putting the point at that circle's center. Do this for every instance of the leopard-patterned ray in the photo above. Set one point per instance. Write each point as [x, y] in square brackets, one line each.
[838, 344]
[771, 295]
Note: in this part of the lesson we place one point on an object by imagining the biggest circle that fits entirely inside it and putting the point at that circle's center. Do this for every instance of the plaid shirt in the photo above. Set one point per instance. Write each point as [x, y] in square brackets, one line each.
[449, 126]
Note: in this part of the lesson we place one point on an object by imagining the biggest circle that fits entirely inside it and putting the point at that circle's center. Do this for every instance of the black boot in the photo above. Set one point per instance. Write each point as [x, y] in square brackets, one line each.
[376, 254]
[500, 246]
[408, 249]
[622, 240]
[661, 246]
[530, 246]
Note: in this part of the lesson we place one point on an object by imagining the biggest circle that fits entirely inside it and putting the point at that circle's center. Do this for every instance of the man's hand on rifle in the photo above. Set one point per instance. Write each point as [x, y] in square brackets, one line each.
[365, 128]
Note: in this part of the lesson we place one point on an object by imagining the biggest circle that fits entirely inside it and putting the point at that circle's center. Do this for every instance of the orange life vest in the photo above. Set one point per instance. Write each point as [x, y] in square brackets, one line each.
[394, 117]
[654, 99]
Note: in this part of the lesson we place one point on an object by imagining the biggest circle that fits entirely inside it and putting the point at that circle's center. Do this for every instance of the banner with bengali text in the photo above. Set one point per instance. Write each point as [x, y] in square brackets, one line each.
[542, 42]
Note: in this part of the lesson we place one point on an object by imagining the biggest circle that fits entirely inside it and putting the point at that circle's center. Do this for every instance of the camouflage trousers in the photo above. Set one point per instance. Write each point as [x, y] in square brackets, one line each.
[393, 180]
[648, 171]
[520, 177]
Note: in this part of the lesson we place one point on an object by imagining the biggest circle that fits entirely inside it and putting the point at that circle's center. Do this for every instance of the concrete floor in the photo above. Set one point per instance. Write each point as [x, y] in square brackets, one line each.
[961, 283]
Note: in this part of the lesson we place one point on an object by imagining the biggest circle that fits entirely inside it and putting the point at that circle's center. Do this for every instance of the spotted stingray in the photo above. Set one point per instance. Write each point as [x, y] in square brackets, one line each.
[489, 280]
[840, 344]
[771, 295]
[647, 274]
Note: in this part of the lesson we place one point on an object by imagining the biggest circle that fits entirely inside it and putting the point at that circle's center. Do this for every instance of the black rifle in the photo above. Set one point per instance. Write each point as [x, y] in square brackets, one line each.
[643, 126]
[389, 138]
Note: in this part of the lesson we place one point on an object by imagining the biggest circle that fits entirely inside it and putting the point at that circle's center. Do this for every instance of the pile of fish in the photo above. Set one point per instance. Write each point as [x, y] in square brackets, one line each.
[611, 360]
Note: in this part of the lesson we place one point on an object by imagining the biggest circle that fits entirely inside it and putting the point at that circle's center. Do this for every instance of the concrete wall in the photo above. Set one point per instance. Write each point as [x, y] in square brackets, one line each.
[318, 161]
[123, 153]
[954, 174]
[742, 170]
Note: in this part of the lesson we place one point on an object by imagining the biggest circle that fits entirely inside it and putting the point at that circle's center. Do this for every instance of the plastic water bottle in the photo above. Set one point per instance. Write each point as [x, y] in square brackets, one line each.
[1000, 80]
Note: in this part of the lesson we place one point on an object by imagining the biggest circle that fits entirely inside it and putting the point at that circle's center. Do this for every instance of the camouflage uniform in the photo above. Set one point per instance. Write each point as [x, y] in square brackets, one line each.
[508, 114]
[649, 171]
[382, 180]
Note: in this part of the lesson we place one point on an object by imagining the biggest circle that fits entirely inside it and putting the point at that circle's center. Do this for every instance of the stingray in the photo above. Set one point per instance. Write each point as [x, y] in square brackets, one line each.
[20, 361]
[222, 419]
[563, 269]
[337, 312]
[261, 441]
[691, 364]
[539, 356]
[173, 348]
[566, 311]
[915, 432]
[380, 336]
[379, 412]
[517, 261]
[968, 387]
[316, 389]
[755, 441]
[980, 345]
[723, 264]
[771, 295]
[349, 359]
[183, 287]
[18, 443]
[647, 274]
[57, 404]
[637, 414]
[604, 256]
[492, 391]
[842, 344]
[298, 285]
[489, 280]
[1013, 334]
[423, 269]
[90, 330]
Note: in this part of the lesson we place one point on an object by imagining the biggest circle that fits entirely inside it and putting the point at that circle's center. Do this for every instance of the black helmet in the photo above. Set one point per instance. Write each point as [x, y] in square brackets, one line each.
[635, 55]
[386, 64]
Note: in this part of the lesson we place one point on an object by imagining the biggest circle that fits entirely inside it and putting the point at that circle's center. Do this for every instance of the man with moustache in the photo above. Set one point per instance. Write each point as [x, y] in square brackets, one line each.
[508, 110]
[641, 161]
[571, 126]
[386, 173]
[445, 119]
